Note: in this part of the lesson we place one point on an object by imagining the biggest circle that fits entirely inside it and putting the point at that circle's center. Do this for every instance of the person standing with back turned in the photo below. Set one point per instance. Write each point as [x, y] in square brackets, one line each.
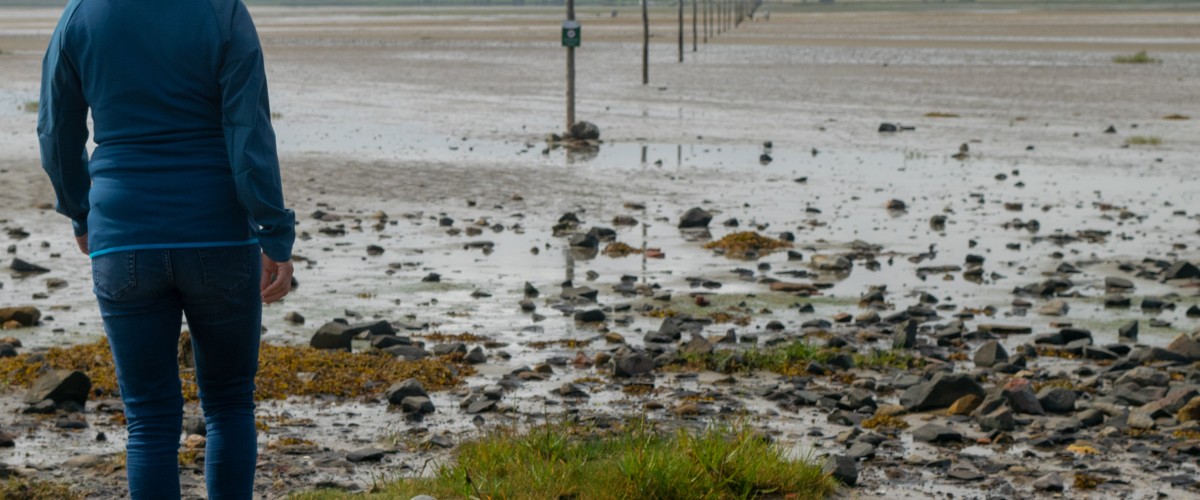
[181, 210]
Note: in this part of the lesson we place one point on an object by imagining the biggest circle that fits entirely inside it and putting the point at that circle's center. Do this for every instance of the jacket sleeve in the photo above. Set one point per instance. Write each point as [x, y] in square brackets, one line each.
[250, 140]
[63, 133]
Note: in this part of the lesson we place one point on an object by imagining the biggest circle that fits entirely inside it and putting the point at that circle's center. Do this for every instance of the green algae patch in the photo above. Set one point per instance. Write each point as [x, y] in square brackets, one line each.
[28, 489]
[632, 461]
[284, 371]
[746, 245]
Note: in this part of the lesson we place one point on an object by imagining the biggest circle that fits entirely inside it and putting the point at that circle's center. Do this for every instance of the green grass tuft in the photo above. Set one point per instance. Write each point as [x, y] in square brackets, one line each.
[633, 462]
[793, 358]
[1139, 58]
[30, 106]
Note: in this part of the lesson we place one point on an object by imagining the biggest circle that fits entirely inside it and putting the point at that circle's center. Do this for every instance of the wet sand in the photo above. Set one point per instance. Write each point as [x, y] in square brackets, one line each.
[424, 114]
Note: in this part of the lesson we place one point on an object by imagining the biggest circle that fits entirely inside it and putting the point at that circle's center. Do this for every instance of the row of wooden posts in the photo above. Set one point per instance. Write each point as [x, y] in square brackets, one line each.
[719, 16]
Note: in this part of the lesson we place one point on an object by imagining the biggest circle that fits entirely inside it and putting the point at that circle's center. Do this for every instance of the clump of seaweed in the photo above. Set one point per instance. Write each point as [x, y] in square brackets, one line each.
[1141, 57]
[885, 422]
[746, 245]
[284, 371]
[618, 249]
[1087, 481]
[939, 114]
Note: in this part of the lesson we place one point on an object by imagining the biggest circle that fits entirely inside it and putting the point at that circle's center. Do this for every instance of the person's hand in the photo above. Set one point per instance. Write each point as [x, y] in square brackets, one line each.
[82, 242]
[276, 279]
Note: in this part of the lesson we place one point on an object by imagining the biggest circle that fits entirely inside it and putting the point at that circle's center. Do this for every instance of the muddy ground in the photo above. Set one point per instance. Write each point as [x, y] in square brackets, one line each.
[425, 115]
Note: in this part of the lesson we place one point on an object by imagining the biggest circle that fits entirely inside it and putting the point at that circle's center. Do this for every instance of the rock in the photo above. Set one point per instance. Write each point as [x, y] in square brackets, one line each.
[698, 346]
[989, 354]
[7, 440]
[432, 278]
[1057, 307]
[1185, 346]
[1155, 354]
[1128, 331]
[939, 392]
[965, 405]
[1057, 399]
[1050, 482]
[1117, 301]
[585, 131]
[25, 316]
[896, 205]
[407, 388]
[632, 365]
[696, 217]
[369, 454]
[24, 267]
[1000, 419]
[294, 318]
[476, 356]
[1190, 411]
[861, 451]
[416, 404]
[481, 406]
[408, 352]
[843, 469]
[936, 434]
[1118, 283]
[374, 250]
[1181, 270]
[332, 335]
[905, 336]
[965, 472]
[569, 390]
[830, 262]
[60, 386]
[584, 240]
[590, 316]
[1144, 376]
[888, 127]
[195, 425]
[1021, 397]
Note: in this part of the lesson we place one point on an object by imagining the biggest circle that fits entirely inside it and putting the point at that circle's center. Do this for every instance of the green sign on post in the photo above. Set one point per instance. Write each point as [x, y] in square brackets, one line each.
[570, 34]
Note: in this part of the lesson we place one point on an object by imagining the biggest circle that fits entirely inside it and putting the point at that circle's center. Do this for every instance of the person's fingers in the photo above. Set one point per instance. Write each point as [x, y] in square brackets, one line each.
[281, 283]
[82, 241]
[268, 268]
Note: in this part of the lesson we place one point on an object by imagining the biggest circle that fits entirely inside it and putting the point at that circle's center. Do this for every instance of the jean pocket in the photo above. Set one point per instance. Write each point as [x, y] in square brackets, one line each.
[114, 275]
[226, 268]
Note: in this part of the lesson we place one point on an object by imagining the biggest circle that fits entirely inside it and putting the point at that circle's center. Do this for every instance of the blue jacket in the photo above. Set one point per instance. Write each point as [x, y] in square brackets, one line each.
[185, 153]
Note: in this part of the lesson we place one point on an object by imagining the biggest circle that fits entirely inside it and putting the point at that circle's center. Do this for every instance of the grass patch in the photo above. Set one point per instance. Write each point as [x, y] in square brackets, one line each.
[1139, 58]
[631, 462]
[30, 489]
[938, 114]
[1143, 140]
[746, 245]
[283, 371]
[30, 106]
[1177, 116]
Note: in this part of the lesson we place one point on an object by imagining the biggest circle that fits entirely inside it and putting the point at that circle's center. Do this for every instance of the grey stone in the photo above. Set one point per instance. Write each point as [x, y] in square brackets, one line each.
[332, 335]
[1128, 331]
[590, 316]
[1185, 346]
[1181, 270]
[696, 217]
[1154, 354]
[416, 404]
[408, 352]
[476, 356]
[60, 386]
[368, 454]
[989, 354]
[407, 388]
[1000, 419]
[698, 346]
[861, 451]
[940, 392]
[933, 433]
[905, 336]
[843, 469]
[632, 365]
[25, 267]
[481, 406]
[1057, 399]
[1050, 482]
[1144, 376]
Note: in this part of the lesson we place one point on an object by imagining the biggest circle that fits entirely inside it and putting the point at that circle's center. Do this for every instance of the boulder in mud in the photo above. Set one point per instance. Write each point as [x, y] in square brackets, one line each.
[939, 392]
[404, 389]
[632, 365]
[1181, 270]
[60, 386]
[25, 315]
[25, 267]
[843, 469]
[1185, 346]
[990, 354]
[937, 434]
[695, 218]
[332, 335]
[585, 131]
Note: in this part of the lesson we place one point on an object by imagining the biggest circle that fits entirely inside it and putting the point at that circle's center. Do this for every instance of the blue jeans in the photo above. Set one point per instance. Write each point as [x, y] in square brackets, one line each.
[143, 296]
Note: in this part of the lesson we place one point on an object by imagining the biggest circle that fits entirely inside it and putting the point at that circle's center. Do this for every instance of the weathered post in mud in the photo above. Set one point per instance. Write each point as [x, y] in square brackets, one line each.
[706, 2]
[680, 30]
[645, 44]
[695, 35]
[571, 36]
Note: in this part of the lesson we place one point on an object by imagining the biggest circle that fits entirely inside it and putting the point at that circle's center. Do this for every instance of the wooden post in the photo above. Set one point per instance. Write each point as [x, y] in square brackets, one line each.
[694, 21]
[570, 73]
[645, 44]
[706, 2]
[680, 30]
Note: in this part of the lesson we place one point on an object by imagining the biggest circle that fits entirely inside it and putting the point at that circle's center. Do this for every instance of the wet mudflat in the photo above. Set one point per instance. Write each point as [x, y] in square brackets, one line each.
[416, 160]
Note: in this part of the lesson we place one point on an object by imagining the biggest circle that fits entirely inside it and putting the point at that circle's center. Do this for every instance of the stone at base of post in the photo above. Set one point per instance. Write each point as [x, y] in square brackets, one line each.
[584, 131]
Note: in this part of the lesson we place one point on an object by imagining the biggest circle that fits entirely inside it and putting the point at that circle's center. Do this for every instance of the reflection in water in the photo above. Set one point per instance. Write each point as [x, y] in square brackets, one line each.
[582, 152]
